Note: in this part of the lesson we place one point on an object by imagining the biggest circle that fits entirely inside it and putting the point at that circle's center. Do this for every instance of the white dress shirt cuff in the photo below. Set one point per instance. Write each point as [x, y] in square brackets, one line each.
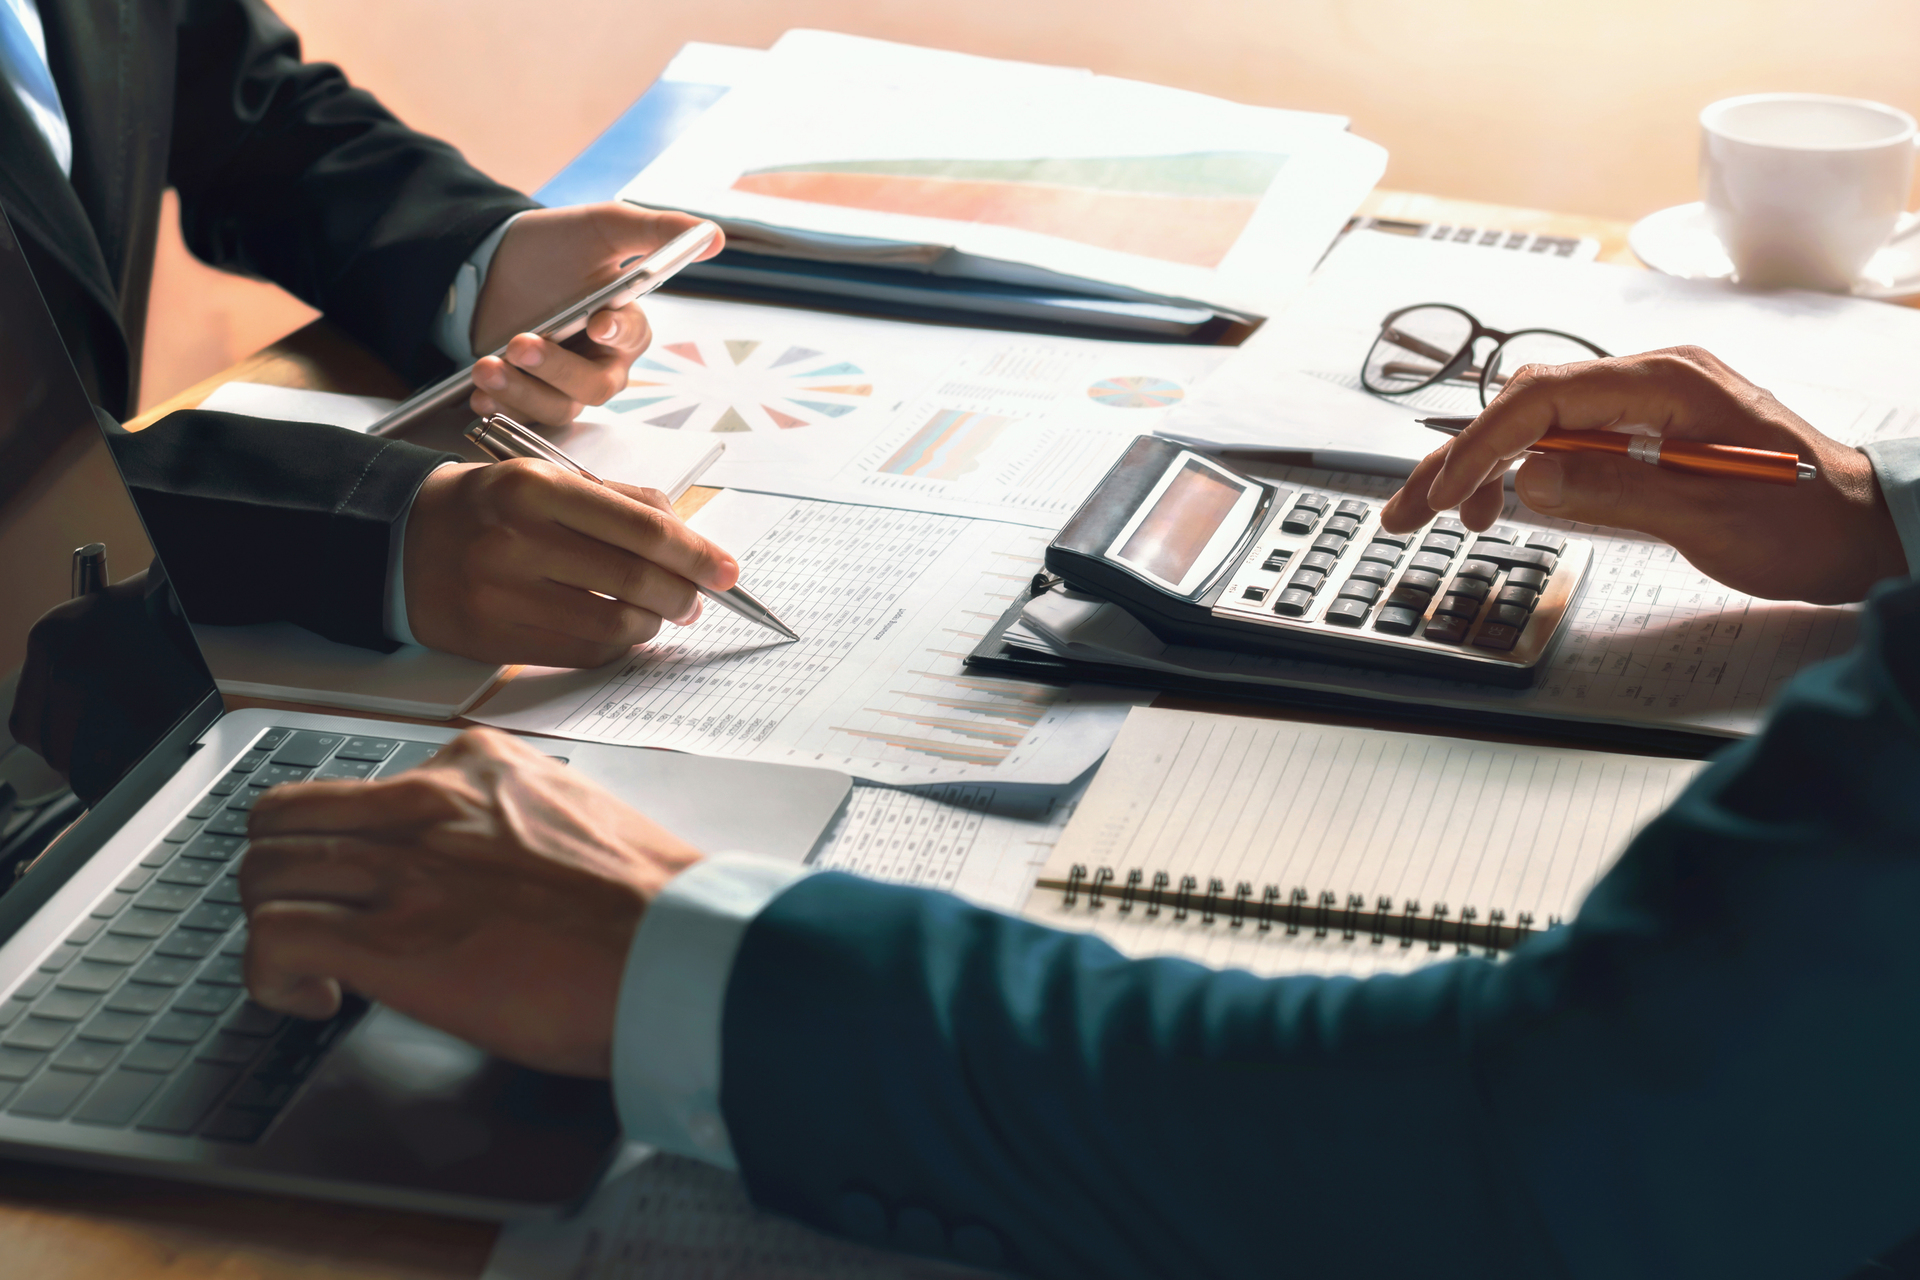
[453, 331]
[393, 615]
[1896, 464]
[666, 1038]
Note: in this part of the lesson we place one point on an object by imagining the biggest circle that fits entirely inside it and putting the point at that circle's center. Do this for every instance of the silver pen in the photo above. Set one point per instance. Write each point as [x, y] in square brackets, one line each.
[500, 437]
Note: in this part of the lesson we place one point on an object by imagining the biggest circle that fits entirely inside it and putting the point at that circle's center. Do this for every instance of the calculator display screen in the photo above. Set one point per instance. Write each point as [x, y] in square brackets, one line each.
[1182, 523]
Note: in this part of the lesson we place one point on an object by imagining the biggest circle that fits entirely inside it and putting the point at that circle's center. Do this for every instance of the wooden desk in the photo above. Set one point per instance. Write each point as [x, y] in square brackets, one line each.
[58, 1224]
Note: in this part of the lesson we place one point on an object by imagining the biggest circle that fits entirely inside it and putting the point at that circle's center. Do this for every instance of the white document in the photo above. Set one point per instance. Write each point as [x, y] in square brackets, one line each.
[888, 604]
[984, 843]
[296, 404]
[1405, 822]
[865, 151]
[1847, 365]
[929, 418]
[1652, 641]
[610, 445]
[661, 1217]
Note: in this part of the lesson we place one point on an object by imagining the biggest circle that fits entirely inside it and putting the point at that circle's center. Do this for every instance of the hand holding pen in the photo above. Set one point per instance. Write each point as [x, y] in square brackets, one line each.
[1824, 538]
[503, 438]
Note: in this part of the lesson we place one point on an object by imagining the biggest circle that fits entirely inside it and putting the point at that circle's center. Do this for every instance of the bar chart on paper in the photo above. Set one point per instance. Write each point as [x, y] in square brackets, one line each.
[1012, 433]
[888, 604]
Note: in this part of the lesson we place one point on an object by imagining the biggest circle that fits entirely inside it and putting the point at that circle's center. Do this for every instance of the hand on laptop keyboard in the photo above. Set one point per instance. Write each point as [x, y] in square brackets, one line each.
[493, 894]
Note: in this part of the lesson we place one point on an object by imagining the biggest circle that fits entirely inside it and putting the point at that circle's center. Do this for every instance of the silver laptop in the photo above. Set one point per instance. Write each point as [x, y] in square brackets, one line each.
[126, 1037]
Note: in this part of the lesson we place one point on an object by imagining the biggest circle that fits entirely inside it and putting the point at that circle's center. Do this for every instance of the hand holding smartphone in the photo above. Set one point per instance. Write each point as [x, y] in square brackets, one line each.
[638, 277]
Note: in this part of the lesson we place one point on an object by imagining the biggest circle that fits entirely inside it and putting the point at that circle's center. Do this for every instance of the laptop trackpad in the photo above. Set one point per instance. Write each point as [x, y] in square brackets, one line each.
[400, 1104]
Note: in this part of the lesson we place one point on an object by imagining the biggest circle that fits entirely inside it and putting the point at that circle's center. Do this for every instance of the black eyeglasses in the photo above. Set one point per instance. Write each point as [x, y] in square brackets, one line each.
[1434, 344]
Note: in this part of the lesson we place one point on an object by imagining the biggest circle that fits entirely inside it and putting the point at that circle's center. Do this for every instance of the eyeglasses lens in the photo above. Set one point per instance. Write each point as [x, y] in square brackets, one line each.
[1532, 346]
[1414, 347]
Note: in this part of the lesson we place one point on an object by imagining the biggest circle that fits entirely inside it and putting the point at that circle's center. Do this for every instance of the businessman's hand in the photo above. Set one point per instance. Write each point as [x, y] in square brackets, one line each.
[1826, 540]
[492, 893]
[523, 562]
[547, 259]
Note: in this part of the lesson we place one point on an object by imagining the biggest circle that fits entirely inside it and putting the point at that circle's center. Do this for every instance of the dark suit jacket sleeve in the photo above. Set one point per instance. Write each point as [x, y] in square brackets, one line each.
[1711, 1071]
[288, 172]
[274, 521]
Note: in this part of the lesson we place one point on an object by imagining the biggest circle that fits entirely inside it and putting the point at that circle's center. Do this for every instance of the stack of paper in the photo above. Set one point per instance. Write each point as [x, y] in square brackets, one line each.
[858, 151]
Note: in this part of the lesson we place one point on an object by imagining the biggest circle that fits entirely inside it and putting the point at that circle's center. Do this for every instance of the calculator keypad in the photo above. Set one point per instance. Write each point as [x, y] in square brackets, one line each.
[1495, 595]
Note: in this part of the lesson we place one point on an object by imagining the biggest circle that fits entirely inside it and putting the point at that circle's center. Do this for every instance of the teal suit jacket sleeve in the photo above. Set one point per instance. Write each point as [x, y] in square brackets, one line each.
[1711, 1071]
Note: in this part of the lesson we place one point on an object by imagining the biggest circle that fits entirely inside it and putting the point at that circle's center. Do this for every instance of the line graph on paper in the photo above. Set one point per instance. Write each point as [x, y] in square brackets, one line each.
[888, 604]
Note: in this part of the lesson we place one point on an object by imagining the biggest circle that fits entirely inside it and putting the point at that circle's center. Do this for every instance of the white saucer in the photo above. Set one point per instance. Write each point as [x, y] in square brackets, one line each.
[1678, 242]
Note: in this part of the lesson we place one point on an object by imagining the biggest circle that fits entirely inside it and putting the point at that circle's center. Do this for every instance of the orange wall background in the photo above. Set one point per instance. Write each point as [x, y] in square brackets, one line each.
[1571, 105]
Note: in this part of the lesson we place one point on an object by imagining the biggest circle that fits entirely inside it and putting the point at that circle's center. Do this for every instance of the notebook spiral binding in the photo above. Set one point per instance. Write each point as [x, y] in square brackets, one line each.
[1410, 924]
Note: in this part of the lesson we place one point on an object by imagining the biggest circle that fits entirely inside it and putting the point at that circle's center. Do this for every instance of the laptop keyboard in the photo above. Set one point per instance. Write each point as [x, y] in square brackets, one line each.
[140, 1019]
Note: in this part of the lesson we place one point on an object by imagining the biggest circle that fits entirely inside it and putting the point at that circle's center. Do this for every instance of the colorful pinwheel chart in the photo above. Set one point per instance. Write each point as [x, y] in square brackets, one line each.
[1136, 393]
[741, 384]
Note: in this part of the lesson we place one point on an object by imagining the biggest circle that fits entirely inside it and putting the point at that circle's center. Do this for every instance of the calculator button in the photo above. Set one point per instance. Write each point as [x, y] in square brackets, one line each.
[1299, 521]
[1292, 604]
[1447, 524]
[1360, 589]
[1313, 502]
[1319, 561]
[1347, 613]
[1345, 526]
[1463, 607]
[1517, 557]
[1400, 540]
[1484, 570]
[1420, 580]
[1440, 543]
[1306, 580]
[1254, 593]
[1551, 543]
[1428, 561]
[1372, 571]
[1396, 621]
[1497, 635]
[1405, 597]
[1445, 630]
[1471, 588]
[1532, 579]
[1508, 615]
[1276, 561]
[1499, 533]
[1381, 552]
[1355, 509]
[1331, 542]
[1521, 597]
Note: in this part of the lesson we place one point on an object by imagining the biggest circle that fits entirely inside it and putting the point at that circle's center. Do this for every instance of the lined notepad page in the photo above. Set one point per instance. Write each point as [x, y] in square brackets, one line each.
[1350, 811]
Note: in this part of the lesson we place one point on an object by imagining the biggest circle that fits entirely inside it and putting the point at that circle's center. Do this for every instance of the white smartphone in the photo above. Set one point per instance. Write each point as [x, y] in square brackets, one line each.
[640, 275]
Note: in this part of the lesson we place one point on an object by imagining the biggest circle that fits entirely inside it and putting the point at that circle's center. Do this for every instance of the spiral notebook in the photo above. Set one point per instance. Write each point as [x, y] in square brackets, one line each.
[1283, 847]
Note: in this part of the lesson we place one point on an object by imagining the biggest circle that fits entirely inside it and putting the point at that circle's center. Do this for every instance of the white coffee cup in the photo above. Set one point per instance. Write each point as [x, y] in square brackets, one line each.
[1802, 188]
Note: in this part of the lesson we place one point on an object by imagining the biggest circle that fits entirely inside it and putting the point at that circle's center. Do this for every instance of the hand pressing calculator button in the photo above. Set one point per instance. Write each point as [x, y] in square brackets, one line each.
[1203, 555]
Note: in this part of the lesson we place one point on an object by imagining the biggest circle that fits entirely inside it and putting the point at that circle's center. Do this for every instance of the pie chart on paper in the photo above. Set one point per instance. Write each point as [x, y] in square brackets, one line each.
[741, 384]
[1136, 393]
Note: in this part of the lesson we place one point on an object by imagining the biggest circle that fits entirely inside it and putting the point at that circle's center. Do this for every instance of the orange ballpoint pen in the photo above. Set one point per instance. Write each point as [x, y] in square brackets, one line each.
[1691, 456]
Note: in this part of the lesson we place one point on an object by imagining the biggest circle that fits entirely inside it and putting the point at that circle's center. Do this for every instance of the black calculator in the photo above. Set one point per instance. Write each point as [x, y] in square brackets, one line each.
[1203, 555]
